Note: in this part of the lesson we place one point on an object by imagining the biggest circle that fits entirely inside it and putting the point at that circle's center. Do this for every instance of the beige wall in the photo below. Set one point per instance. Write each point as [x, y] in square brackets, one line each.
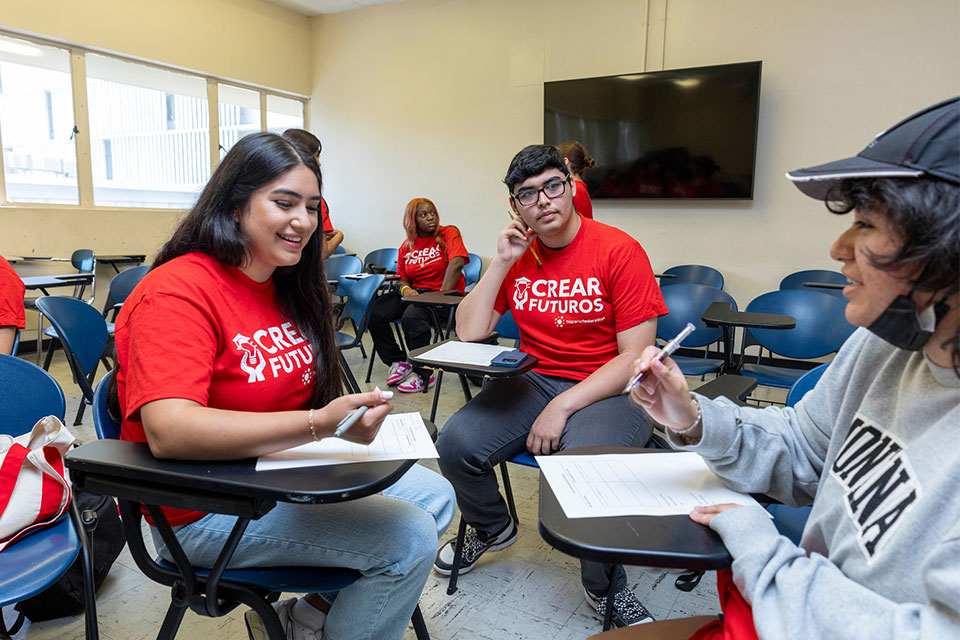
[433, 97]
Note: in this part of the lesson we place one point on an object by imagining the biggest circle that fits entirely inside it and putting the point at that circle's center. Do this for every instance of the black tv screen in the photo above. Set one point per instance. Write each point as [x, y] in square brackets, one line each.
[684, 133]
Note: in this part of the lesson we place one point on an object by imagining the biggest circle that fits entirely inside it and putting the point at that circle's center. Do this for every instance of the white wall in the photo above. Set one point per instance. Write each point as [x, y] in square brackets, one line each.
[433, 97]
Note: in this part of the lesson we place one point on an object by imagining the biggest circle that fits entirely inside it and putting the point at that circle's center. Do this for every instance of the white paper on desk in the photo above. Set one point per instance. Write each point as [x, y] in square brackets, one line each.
[402, 436]
[464, 353]
[635, 484]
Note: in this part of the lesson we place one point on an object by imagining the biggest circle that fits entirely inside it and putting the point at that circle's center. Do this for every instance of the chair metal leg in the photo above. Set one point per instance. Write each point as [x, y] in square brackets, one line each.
[49, 357]
[508, 491]
[351, 381]
[457, 557]
[436, 394]
[370, 369]
[466, 387]
[419, 626]
[611, 592]
[171, 621]
[84, 527]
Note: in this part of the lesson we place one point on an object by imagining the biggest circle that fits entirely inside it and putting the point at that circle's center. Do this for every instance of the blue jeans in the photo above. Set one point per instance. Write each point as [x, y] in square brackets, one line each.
[391, 539]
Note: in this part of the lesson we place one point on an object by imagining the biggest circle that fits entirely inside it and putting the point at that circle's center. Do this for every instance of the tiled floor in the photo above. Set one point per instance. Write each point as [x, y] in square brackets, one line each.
[528, 591]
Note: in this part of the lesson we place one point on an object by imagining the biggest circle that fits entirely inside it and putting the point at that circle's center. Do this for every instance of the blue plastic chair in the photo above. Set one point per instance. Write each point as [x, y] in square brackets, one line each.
[386, 258]
[272, 580]
[471, 271]
[35, 562]
[336, 266]
[507, 328]
[693, 274]
[796, 279]
[16, 343]
[339, 249]
[791, 520]
[686, 303]
[83, 333]
[821, 329]
[358, 305]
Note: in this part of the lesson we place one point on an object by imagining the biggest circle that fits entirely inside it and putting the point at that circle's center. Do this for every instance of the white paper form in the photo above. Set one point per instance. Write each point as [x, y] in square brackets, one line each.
[402, 436]
[638, 484]
[464, 353]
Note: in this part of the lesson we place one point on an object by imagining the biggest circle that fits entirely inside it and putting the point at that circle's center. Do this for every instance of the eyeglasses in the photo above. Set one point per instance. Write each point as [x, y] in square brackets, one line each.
[553, 189]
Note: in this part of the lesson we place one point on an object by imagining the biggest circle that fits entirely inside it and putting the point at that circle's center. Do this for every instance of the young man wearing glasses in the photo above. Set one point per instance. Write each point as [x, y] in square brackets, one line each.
[586, 301]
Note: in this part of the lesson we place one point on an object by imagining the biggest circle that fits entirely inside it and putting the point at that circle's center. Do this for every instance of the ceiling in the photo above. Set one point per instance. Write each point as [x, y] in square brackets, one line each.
[317, 7]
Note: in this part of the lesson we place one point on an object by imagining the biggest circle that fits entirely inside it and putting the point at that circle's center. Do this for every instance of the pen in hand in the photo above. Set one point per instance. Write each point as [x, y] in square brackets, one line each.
[667, 350]
[349, 420]
[529, 231]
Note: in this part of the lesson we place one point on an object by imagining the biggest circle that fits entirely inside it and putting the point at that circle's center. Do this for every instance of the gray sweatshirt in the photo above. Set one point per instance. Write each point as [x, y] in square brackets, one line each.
[875, 447]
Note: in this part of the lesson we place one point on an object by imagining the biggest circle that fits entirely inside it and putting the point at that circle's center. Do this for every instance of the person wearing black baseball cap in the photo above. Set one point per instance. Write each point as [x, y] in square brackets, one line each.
[873, 447]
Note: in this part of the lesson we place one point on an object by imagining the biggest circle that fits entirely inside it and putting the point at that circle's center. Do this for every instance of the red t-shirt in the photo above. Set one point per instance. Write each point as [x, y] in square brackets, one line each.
[197, 329]
[581, 200]
[325, 216]
[425, 265]
[570, 309]
[11, 297]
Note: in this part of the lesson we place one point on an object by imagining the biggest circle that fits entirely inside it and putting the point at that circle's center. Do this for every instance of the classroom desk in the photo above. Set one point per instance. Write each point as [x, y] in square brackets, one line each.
[825, 285]
[433, 299]
[664, 275]
[721, 314]
[132, 259]
[16, 259]
[129, 471]
[33, 283]
[463, 370]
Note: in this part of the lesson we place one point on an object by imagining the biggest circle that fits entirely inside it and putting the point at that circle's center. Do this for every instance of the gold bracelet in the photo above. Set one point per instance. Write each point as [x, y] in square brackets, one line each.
[313, 431]
[404, 287]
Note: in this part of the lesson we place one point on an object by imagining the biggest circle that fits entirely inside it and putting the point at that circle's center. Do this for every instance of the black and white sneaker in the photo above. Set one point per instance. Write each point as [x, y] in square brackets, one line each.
[627, 609]
[473, 548]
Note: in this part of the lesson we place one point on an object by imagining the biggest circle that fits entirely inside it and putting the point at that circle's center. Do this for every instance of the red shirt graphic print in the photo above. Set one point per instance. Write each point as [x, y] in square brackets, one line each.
[425, 265]
[571, 308]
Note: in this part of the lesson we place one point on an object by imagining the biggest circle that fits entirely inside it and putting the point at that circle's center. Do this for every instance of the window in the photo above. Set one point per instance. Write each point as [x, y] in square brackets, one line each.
[36, 123]
[283, 114]
[149, 134]
[239, 111]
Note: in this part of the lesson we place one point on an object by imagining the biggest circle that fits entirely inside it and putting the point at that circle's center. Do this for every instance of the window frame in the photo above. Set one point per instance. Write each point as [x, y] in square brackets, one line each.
[78, 78]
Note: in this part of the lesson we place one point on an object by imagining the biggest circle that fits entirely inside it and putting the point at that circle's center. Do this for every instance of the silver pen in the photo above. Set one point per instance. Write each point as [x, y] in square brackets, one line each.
[670, 347]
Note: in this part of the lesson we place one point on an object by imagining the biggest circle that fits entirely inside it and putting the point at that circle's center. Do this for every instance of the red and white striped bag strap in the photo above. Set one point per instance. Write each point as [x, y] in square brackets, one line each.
[34, 483]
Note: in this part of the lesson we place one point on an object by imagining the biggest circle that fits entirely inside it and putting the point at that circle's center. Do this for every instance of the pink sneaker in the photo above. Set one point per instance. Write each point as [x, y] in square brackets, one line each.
[398, 372]
[414, 384]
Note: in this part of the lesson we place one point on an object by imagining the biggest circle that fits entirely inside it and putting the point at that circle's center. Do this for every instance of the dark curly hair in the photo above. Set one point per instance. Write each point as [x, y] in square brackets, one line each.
[924, 214]
[532, 161]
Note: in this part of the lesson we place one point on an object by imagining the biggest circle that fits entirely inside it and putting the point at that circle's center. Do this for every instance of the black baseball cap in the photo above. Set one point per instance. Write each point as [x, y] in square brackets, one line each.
[925, 144]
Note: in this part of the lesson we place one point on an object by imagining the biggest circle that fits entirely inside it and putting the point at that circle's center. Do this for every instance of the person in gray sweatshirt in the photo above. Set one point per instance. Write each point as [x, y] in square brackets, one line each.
[875, 446]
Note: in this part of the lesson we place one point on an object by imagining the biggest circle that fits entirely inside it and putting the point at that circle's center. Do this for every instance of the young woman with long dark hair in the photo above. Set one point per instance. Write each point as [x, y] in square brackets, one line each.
[226, 351]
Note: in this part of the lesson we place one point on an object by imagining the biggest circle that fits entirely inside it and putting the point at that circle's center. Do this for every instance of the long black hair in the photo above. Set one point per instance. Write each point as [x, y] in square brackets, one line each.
[924, 215]
[301, 289]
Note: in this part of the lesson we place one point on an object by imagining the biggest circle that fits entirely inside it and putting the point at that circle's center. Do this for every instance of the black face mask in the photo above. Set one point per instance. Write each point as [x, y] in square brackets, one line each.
[903, 327]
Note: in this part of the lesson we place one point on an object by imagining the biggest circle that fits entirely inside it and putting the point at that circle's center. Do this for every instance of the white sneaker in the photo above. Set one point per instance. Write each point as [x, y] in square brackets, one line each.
[414, 384]
[256, 630]
[398, 373]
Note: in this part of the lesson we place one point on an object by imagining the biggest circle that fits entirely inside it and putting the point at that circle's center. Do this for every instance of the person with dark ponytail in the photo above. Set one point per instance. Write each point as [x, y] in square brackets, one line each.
[226, 351]
[872, 447]
[332, 238]
[577, 159]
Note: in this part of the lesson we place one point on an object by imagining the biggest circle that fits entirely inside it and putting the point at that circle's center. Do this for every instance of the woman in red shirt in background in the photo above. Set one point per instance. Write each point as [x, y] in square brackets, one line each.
[578, 160]
[431, 259]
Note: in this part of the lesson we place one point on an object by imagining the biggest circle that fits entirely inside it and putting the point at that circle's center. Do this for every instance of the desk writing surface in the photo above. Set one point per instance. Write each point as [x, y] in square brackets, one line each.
[721, 313]
[443, 298]
[491, 371]
[653, 541]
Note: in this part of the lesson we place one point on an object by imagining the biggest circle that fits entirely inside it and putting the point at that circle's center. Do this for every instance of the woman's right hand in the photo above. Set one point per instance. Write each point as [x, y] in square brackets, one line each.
[664, 394]
[513, 241]
[365, 429]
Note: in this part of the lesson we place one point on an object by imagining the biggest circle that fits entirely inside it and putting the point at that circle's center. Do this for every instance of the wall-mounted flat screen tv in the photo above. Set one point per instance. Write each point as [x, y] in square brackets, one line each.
[683, 133]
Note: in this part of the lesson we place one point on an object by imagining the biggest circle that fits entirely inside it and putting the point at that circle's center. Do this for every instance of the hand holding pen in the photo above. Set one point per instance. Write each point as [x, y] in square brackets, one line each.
[526, 237]
[368, 411]
[661, 388]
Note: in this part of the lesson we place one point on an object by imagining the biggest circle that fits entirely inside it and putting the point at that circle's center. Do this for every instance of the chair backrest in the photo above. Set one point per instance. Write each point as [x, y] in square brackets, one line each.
[360, 300]
[28, 393]
[336, 266]
[83, 332]
[507, 328]
[693, 274]
[339, 249]
[796, 279]
[686, 303]
[107, 428]
[821, 325]
[123, 284]
[16, 343]
[386, 258]
[471, 270]
[83, 260]
[805, 383]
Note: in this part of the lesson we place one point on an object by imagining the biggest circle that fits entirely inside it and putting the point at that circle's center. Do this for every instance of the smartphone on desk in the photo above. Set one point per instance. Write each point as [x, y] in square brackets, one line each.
[509, 359]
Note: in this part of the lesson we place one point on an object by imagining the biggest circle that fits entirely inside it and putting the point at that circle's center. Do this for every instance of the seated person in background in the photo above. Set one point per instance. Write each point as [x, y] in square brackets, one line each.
[311, 143]
[12, 316]
[431, 259]
[586, 312]
[226, 350]
[577, 159]
[873, 446]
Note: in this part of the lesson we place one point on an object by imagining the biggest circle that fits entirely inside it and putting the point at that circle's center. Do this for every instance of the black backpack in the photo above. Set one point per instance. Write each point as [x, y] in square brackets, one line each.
[65, 596]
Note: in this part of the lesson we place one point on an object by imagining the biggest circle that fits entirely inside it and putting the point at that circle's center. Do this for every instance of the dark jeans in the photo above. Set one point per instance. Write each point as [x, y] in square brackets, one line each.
[494, 426]
[416, 321]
